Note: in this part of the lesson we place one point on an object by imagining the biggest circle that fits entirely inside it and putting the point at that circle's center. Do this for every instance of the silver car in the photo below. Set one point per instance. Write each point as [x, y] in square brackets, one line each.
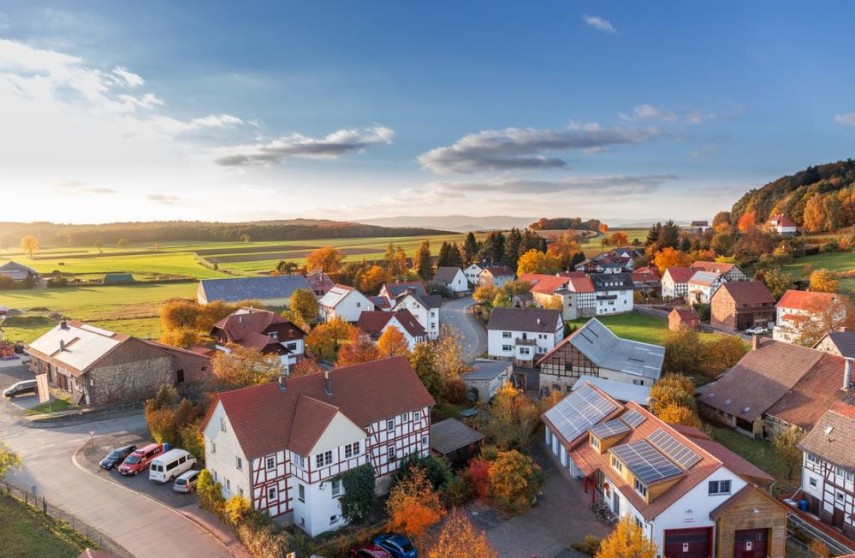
[186, 482]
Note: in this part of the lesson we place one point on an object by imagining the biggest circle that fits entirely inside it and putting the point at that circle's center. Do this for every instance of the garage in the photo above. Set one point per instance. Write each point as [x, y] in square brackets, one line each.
[688, 543]
[750, 543]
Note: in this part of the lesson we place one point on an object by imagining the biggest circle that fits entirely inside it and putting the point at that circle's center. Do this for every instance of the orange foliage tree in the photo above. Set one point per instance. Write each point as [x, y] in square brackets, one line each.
[535, 261]
[669, 257]
[370, 280]
[627, 541]
[392, 343]
[359, 349]
[324, 340]
[679, 414]
[747, 222]
[305, 367]
[327, 259]
[458, 538]
[618, 239]
[413, 505]
[514, 481]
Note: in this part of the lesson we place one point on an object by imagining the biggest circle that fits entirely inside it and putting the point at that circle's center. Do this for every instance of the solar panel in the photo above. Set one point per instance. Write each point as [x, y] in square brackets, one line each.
[580, 410]
[645, 462]
[609, 429]
[633, 418]
[673, 448]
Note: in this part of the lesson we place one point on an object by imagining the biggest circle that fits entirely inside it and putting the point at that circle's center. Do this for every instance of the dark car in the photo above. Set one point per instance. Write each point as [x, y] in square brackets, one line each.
[27, 386]
[116, 456]
[398, 546]
[368, 551]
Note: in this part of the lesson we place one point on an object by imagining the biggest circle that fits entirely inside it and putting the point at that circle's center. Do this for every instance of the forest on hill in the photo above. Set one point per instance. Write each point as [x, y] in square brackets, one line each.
[195, 231]
[817, 199]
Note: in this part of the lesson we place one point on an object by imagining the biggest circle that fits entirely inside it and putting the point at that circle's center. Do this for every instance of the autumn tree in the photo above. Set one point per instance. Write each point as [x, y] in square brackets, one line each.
[514, 481]
[669, 257]
[359, 349]
[459, 538]
[513, 418]
[775, 280]
[287, 267]
[786, 442]
[822, 213]
[413, 505]
[721, 220]
[485, 295]
[723, 352]
[327, 259]
[305, 367]
[618, 239]
[535, 261]
[395, 261]
[551, 399]
[244, 366]
[567, 251]
[627, 541]
[825, 316]
[448, 354]
[392, 343]
[324, 340]
[684, 351]
[8, 460]
[747, 221]
[304, 306]
[30, 245]
[421, 360]
[824, 281]
[672, 389]
[186, 322]
[422, 261]
[679, 414]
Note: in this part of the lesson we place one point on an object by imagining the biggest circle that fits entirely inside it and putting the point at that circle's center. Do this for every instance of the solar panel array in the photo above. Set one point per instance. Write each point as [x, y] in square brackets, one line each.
[645, 462]
[673, 448]
[580, 410]
[633, 418]
[609, 429]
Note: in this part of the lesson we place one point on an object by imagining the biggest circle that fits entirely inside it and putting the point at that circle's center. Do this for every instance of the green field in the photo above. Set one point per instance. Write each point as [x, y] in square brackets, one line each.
[638, 327]
[593, 245]
[24, 532]
[835, 261]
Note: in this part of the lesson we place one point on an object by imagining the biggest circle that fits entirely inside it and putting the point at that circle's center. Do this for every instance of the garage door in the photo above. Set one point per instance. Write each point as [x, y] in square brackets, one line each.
[688, 543]
[750, 543]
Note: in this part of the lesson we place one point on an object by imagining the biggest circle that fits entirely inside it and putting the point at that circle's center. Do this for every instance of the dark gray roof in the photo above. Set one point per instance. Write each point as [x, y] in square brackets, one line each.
[15, 266]
[396, 289]
[524, 319]
[844, 341]
[607, 350]
[612, 281]
[486, 369]
[431, 301]
[253, 288]
[450, 434]
[445, 275]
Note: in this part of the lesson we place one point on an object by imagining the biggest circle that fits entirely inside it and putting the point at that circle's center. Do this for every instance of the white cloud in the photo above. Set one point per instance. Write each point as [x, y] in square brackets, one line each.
[649, 112]
[600, 23]
[126, 78]
[216, 121]
[847, 119]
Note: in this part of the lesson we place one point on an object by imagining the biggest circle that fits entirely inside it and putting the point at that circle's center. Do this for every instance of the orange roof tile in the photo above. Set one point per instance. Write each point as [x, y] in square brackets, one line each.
[544, 284]
[804, 300]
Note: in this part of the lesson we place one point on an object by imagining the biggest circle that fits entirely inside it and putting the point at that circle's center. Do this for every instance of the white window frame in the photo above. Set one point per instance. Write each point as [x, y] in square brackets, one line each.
[335, 489]
[270, 463]
[301, 492]
[272, 493]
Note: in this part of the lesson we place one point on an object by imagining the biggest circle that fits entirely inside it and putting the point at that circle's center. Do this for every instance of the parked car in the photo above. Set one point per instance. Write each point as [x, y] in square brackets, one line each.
[140, 459]
[116, 456]
[397, 545]
[368, 551]
[759, 330]
[26, 386]
[187, 481]
[167, 467]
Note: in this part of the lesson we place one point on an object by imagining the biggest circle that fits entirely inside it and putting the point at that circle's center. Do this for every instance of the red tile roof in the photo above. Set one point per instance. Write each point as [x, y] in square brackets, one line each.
[747, 292]
[815, 392]
[687, 314]
[679, 274]
[581, 284]
[373, 322]
[241, 325]
[265, 419]
[781, 220]
[804, 300]
[544, 284]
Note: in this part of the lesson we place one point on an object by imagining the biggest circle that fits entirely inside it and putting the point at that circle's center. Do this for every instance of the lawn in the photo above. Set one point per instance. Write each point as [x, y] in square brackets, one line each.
[638, 327]
[593, 245]
[24, 532]
[53, 406]
[835, 261]
[758, 452]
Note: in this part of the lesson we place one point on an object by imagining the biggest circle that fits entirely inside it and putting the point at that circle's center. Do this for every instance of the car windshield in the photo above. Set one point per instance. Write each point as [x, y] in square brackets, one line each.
[407, 547]
[114, 454]
[181, 481]
[132, 459]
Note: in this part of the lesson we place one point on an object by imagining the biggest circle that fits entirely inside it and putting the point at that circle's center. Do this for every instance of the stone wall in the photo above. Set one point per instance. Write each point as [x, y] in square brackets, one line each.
[131, 372]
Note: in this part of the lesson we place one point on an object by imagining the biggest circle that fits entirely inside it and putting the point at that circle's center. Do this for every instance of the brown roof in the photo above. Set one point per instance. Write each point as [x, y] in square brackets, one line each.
[524, 319]
[499, 270]
[747, 292]
[311, 418]
[450, 435]
[445, 274]
[813, 394]
[735, 462]
[715, 267]
[544, 284]
[686, 314]
[372, 322]
[243, 326]
[319, 281]
[679, 274]
[832, 439]
[804, 300]
[265, 417]
[760, 379]
[580, 283]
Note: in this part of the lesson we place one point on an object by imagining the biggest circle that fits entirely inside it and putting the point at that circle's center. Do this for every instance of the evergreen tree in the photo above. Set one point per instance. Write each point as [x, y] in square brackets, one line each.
[424, 266]
[669, 236]
[493, 249]
[512, 247]
[454, 256]
[470, 249]
[444, 255]
[653, 234]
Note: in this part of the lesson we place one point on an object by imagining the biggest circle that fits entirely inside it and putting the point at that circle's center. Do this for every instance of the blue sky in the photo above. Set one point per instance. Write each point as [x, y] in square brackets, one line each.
[344, 110]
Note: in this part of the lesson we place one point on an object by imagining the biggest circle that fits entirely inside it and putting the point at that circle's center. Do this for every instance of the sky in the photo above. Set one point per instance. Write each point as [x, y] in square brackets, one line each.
[241, 111]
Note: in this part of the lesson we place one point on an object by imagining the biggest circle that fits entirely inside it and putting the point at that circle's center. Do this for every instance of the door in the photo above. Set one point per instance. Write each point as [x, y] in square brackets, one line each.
[616, 500]
[750, 543]
[837, 518]
[688, 543]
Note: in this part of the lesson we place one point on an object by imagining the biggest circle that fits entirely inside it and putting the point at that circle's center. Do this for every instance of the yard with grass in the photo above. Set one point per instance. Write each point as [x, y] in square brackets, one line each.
[839, 262]
[593, 245]
[638, 327]
[759, 452]
[24, 532]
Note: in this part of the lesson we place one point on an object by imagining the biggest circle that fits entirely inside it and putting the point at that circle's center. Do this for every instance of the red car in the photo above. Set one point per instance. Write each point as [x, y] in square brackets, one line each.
[140, 459]
[368, 551]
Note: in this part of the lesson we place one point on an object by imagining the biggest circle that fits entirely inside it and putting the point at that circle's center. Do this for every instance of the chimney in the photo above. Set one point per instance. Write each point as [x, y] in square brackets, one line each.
[61, 345]
[63, 324]
[755, 342]
[328, 384]
[847, 373]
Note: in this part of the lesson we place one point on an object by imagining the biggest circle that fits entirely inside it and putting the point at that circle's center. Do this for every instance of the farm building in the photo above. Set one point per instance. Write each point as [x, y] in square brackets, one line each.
[486, 377]
[18, 272]
[683, 317]
[742, 305]
[451, 278]
[271, 291]
[118, 278]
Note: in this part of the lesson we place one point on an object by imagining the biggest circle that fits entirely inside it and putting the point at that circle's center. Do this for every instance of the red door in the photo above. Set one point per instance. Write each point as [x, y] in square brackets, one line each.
[689, 543]
[750, 543]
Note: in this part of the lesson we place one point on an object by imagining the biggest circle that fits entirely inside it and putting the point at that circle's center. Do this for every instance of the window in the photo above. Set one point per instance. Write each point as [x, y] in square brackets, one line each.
[424, 441]
[417, 415]
[213, 447]
[595, 442]
[222, 424]
[359, 305]
[719, 487]
[839, 497]
[640, 488]
[506, 334]
[390, 425]
[351, 450]
[390, 453]
[404, 417]
[323, 459]
[238, 463]
[301, 492]
[524, 350]
[272, 493]
[270, 463]
[228, 485]
[838, 471]
[299, 460]
[638, 382]
[333, 519]
[850, 475]
[617, 464]
[179, 377]
[215, 477]
[336, 488]
[507, 348]
[273, 335]
[813, 482]
[291, 346]
[240, 491]
[811, 457]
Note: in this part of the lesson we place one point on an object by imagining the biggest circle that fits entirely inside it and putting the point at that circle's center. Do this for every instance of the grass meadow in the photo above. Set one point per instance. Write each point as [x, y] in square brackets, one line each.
[25, 532]
[638, 327]
[839, 262]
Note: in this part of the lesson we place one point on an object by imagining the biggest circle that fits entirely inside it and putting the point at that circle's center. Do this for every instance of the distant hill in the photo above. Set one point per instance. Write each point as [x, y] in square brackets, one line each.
[172, 231]
[832, 184]
[457, 223]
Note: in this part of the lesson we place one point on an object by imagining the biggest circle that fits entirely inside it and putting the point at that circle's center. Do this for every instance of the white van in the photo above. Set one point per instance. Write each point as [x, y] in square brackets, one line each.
[167, 467]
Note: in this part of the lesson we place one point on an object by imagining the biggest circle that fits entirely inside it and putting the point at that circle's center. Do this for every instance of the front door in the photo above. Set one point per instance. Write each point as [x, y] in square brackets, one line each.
[750, 543]
[837, 518]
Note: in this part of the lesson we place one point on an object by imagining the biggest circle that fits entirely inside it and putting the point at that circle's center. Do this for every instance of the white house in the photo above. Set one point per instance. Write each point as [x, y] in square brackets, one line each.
[496, 276]
[796, 309]
[451, 278]
[284, 444]
[376, 322]
[675, 282]
[702, 285]
[523, 334]
[345, 303]
[412, 296]
[782, 224]
[472, 272]
[615, 292]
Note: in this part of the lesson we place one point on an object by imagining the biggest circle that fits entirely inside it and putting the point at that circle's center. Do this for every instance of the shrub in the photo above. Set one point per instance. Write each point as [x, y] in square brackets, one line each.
[210, 493]
[57, 282]
[264, 539]
[459, 491]
[359, 496]
[514, 481]
[437, 469]
[590, 545]
[236, 509]
[454, 391]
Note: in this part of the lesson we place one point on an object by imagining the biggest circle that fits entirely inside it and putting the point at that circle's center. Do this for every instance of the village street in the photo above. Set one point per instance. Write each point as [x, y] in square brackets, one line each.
[457, 314]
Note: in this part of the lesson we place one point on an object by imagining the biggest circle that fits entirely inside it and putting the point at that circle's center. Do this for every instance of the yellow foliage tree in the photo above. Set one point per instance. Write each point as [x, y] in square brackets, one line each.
[824, 281]
[627, 541]
[392, 343]
[458, 538]
[672, 389]
[535, 261]
[413, 505]
[669, 257]
[30, 245]
[244, 366]
[679, 414]
[324, 340]
[327, 259]
[514, 481]
[370, 280]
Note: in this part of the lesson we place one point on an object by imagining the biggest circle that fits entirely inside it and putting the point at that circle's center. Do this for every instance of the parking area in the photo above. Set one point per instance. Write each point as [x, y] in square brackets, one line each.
[12, 372]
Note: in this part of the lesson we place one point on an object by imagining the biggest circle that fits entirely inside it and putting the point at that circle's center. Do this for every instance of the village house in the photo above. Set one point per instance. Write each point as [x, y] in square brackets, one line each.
[18, 273]
[691, 497]
[452, 278]
[796, 309]
[614, 292]
[579, 298]
[729, 271]
[486, 377]
[840, 343]
[375, 322]
[270, 291]
[101, 367]
[544, 288]
[412, 296]
[776, 386]
[472, 272]
[675, 282]
[699, 226]
[344, 303]
[702, 285]
[496, 276]
[646, 281]
[783, 225]
[683, 317]
[742, 305]
[284, 445]
[594, 350]
[523, 334]
[262, 330]
[828, 469]
[319, 282]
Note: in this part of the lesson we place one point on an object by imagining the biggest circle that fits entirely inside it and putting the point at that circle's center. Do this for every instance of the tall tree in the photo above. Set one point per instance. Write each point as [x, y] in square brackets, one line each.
[470, 249]
[787, 443]
[304, 306]
[327, 259]
[395, 261]
[669, 257]
[493, 247]
[513, 243]
[444, 259]
[455, 257]
[360, 349]
[392, 343]
[459, 538]
[30, 245]
[535, 261]
[324, 340]
[424, 265]
[747, 221]
[653, 234]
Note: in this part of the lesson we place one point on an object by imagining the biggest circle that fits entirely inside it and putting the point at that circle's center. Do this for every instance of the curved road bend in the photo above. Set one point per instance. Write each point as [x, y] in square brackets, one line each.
[140, 525]
[457, 314]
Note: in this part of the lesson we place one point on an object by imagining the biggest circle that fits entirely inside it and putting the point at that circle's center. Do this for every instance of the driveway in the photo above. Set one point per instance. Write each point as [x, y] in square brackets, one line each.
[457, 314]
[142, 526]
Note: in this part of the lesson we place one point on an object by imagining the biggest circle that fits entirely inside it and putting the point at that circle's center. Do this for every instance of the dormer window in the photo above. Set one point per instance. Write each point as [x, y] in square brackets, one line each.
[595, 442]
[617, 465]
[640, 488]
[273, 335]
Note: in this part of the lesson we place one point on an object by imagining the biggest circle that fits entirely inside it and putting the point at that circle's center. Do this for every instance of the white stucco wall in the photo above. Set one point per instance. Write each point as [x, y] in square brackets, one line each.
[222, 463]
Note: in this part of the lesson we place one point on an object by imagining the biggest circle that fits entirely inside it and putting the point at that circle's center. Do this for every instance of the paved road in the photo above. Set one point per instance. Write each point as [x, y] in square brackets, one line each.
[456, 314]
[143, 527]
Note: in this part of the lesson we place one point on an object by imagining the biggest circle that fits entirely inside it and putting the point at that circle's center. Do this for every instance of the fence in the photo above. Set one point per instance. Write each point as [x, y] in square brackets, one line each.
[99, 539]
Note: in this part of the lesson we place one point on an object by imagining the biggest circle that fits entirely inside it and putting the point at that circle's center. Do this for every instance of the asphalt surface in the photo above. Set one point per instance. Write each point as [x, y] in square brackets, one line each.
[140, 524]
[457, 313]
